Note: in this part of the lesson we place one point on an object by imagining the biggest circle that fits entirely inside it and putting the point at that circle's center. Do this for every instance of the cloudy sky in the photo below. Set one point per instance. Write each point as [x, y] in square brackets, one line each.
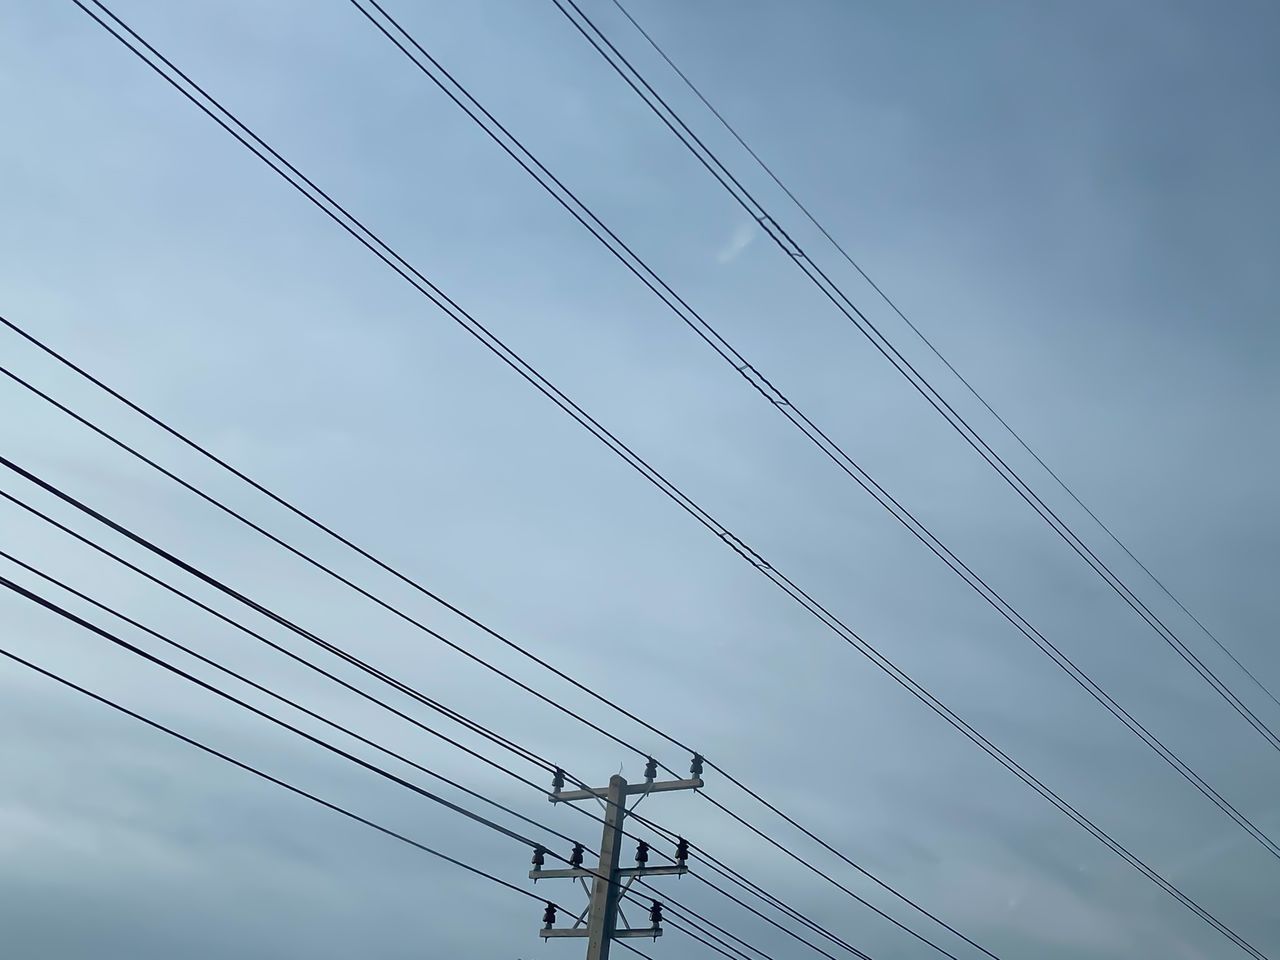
[1076, 202]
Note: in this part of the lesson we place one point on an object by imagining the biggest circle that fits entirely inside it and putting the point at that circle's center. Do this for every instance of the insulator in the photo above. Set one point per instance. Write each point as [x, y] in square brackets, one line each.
[655, 913]
[682, 850]
[575, 858]
[539, 857]
[642, 853]
[549, 916]
[651, 769]
[695, 768]
[557, 780]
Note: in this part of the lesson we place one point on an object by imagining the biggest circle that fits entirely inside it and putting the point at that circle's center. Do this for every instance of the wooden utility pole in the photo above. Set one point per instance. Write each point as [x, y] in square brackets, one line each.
[609, 881]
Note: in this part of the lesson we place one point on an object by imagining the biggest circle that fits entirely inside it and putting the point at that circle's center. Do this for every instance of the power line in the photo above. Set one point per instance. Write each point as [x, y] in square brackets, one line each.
[265, 776]
[192, 488]
[401, 267]
[934, 350]
[542, 761]
[208, 661]
[333, 649]
[846, 306]
[567, 199]
[757, 891]
[612, 703]
[240, 517]
[342, 654]
[314, 715]
[205, 685]
[523, 752]
[1216, 798]
[270, 778]
[311, 738]
[186, 485]
[311, 519]
[545, 763]
[203, 495]
[397, 263]
[415, 278]
[716, 865]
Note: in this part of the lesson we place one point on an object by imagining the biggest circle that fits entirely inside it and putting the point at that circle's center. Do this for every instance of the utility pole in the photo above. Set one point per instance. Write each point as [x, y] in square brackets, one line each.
[598, 923]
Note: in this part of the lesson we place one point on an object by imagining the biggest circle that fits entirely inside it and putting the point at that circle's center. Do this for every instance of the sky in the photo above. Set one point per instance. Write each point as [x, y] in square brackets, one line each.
[1076, 203]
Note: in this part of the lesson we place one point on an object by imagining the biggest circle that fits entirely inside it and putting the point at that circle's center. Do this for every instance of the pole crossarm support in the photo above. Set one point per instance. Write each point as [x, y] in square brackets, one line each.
[658, 786]
[671, 871]
[675, 870]
[631, 932]
[653, 932]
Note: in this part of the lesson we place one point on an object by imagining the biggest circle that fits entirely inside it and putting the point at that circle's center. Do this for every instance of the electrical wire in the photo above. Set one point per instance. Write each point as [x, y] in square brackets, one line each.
[338, 751]
[329, 571]
[777, 904]
[933, 349]
[545, 764]
[333, 649]
[526, 754]
[895, 508]
[205, 452]
[344, 655]
[846, 306]
[276, 781]
[314, 715]
[716, 865]
[192, 678]
[495, 345]
[1050, 650]
[154, 724]
[515, 149]
[498, 739]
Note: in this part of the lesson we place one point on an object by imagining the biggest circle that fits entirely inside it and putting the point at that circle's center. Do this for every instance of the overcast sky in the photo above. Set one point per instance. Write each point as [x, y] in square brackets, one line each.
[1076, 201]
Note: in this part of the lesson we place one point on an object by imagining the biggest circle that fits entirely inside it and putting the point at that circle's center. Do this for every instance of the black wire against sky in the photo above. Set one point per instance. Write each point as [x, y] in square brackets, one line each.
[406, 271]
[968, 385]
[276, 781]
[316, 740]
[547, 764]
[668, 488]
[258, 607]
[846, 306]
[714, 863]
[514, 148]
